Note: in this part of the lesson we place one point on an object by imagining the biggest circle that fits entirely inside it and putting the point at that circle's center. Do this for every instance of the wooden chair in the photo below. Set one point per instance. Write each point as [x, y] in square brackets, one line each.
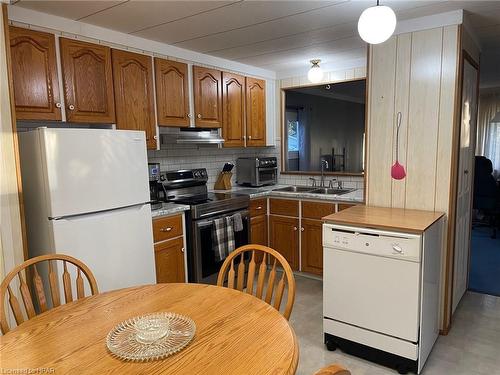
[264, 256]
[333, 370]
[37, 288]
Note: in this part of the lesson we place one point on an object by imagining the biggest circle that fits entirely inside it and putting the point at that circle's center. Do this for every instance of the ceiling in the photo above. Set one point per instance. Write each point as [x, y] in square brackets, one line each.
[276, 35]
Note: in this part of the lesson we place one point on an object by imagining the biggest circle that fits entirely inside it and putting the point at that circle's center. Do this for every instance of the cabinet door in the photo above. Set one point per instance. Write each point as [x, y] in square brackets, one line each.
[133, 84]
[284, 238]
[34, 74]
[343, 206]
[258, 229]
[169, 260]
[207, 97]
[256, 112]
[312, 246]
[233, 109]
[87, 82]
[172, 93]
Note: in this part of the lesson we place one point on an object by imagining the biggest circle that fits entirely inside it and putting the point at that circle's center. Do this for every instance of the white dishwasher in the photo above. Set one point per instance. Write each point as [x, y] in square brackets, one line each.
[381, 293]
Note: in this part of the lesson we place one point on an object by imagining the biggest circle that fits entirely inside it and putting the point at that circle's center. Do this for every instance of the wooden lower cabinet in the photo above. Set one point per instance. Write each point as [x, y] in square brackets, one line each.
[258, 229]
[169, 259]
[284, 238]
[312, 246]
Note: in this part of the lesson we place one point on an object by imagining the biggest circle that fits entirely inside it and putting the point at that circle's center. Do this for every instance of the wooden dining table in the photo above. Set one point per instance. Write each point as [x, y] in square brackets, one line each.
[236, 333]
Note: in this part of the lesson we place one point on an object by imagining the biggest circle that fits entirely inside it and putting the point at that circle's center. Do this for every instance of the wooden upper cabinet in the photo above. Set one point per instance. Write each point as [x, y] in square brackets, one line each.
[207, 89]
[233, 109]
[172, 93]
[87, 81]
[256, 111]
[34, 74]
[133, 85]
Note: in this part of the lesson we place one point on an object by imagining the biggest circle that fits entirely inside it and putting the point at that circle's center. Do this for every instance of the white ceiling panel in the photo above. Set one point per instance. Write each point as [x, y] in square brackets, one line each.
[235, 16]
[292, 41]
[69, 9]
[137, 15]
[332, 15]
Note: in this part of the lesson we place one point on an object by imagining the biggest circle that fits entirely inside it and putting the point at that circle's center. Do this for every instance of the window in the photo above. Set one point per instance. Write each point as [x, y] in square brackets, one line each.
[293, 135]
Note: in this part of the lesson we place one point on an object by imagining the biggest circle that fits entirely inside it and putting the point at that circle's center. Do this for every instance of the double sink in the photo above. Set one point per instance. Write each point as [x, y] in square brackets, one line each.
[313, 190]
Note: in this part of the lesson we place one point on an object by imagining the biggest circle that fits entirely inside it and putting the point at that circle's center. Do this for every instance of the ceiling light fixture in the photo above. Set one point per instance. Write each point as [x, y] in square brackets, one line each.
[377, 24]
[315, 74]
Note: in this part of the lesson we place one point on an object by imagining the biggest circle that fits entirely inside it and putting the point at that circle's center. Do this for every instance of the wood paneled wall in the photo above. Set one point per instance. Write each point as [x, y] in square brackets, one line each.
[415, 74]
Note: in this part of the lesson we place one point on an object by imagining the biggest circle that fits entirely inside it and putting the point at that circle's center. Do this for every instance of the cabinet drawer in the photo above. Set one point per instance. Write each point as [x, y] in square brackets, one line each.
[286, 207]
[168, 227]
[258, 207]
[317, 210]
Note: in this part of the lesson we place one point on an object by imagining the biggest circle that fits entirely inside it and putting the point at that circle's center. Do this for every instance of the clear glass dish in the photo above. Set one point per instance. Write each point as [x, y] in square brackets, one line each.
[150, 337]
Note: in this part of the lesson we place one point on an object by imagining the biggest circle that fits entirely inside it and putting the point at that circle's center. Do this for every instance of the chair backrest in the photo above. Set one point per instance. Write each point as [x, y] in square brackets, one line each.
[29, 270]
[333, 370]
[262, 259]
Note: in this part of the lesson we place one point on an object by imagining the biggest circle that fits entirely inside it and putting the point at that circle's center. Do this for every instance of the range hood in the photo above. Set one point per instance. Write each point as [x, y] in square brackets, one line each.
[191, 136]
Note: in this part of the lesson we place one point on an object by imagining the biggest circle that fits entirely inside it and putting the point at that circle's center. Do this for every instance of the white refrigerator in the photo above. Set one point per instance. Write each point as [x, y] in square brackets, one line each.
[86, 194]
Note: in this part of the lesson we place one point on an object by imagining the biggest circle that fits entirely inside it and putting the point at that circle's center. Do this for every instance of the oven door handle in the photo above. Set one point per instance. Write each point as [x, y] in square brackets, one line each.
[211, 214]
[244, 216]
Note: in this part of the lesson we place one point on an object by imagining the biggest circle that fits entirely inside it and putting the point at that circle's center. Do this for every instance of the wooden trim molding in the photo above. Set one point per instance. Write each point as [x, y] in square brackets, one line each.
[14, 129]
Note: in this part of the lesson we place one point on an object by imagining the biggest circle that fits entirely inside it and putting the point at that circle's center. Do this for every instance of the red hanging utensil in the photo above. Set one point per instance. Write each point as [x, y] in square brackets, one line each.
[397, 170]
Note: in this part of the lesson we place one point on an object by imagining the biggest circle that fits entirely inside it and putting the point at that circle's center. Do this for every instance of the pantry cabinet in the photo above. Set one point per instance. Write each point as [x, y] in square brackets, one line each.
[34, 75]
[87, 81]
[256, 111]
[133, 86]
[207, 90]
[172, 93]
[233, 110]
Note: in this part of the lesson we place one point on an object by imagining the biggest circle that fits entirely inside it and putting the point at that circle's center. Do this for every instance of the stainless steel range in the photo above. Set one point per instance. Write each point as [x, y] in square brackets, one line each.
[189, 186]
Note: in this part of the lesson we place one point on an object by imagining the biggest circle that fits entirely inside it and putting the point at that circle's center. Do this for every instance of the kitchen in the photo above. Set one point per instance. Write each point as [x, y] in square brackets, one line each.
[232, 150]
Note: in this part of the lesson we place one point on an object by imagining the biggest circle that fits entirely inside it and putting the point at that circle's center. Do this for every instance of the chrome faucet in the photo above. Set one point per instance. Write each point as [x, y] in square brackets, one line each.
[313, 180]
[324, 164]
[330, 184]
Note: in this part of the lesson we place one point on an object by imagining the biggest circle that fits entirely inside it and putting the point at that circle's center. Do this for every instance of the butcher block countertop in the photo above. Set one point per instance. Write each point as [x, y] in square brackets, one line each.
[395, 219]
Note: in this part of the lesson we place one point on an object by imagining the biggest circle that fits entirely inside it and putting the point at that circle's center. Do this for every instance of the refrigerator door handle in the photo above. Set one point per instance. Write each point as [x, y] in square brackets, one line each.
[97, 212]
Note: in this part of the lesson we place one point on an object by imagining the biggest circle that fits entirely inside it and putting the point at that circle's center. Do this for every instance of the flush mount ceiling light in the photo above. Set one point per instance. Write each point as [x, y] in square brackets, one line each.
[377, 24]
[315, 74]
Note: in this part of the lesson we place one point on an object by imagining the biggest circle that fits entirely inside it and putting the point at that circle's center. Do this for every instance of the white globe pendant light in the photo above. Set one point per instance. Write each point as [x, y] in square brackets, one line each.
[315, 74]
[377, 24]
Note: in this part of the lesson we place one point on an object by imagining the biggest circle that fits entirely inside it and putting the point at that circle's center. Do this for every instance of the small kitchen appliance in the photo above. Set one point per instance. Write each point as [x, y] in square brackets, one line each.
[155, 187]
[256, 171]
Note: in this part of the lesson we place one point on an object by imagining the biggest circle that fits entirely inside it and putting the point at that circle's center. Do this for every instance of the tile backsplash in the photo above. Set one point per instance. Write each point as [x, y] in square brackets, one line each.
[176, 156]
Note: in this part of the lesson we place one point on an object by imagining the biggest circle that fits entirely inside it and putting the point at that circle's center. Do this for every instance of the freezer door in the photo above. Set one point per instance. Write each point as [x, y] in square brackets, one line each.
[89, 170]
[117, 245]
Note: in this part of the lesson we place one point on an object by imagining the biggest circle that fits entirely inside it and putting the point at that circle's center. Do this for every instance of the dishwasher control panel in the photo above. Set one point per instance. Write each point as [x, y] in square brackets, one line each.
[369, 241]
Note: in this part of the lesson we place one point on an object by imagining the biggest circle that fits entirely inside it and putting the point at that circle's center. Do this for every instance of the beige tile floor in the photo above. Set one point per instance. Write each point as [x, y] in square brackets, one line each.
[471, 348]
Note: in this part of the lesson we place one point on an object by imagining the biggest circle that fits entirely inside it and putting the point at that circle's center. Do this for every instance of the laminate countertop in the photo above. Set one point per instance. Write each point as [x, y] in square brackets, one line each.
[169, 209]
[355, 196]
[396, 219]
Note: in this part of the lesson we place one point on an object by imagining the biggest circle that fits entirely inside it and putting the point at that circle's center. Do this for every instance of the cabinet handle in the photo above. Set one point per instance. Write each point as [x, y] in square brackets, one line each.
[295, 228]
[58, 105]
[189, 115]
[71, 107]
[155, 137]
[166, 229]
[302, 229]
[258, 208]
[199, 115]
[249, 137]
[182, 249]
[244, 137]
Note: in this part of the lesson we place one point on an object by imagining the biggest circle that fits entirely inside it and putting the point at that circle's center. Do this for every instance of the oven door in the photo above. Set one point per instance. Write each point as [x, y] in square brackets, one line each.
[267, 176]
[203, 266]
